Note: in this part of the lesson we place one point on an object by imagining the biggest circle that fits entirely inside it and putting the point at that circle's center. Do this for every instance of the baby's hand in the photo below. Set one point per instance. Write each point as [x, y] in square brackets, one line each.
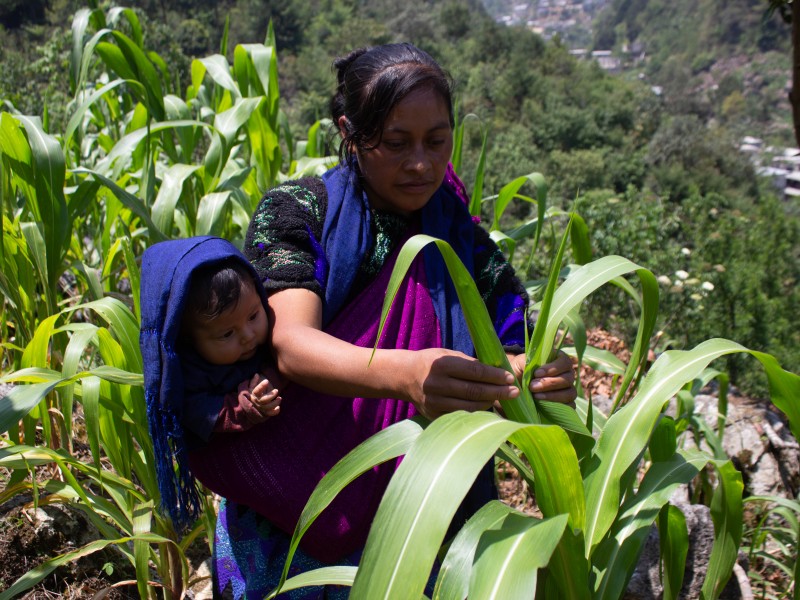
[264, 396]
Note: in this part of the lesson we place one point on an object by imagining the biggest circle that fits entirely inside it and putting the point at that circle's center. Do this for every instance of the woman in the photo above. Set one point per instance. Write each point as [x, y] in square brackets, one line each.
[324, 249]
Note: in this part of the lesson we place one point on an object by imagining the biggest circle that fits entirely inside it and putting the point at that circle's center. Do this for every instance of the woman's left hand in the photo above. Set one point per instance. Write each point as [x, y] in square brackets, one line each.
[554, 381]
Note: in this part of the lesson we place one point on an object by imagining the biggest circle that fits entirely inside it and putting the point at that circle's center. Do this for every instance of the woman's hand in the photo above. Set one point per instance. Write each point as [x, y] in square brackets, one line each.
[554, 381]
[443, 381]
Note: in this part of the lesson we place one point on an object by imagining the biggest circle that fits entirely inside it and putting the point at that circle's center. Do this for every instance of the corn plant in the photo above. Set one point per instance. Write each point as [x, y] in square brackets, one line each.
[774, 544]
[138, 162]
[598, 497]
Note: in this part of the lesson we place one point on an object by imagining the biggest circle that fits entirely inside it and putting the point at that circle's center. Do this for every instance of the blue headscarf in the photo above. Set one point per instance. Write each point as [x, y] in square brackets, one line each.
[167, 269]
[346, 239]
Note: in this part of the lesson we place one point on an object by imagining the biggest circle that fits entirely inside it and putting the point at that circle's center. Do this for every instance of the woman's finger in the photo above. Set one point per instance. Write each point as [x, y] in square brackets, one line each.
[562, 364]
[563, 395]
[469, 369]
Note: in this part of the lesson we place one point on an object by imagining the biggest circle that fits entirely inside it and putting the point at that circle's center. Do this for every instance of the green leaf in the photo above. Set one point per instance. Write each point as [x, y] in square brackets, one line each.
[323, 576]
[126, 329]
[598, 359]
[142, 523]
[583, 281]
[82, 54]
[456, 569]
[80, 22]
[212, 213]
[385, 445]
[134, 204]
[726, 512]
[169, 194]
[488, 348]
[674, 542]
[627, 431]
[90, 400]
[477, 187]
[509, 558]
[134, 64]
[510, 191]
[217, 67]
[540, 347]
[49, 206]
[115, 13]
[34, 576]
[422, 498]
[559, 490]
[784, 390]
[664, 441]
[617, 556]
[77, 117]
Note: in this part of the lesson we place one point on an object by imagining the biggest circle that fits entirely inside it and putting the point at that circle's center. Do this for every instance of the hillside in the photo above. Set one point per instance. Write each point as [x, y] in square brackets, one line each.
[727, 61]
[650, 155]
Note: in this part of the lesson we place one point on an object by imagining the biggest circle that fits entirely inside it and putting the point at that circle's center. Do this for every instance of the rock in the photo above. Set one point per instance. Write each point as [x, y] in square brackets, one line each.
[645, 583]
[759, 443]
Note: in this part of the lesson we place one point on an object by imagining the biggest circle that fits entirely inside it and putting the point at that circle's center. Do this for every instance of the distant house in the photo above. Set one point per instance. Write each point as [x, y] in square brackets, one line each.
[776, 175]
[752, 146]
[606, 61]
[792, 188]
[749, 140]
[783, 170]
[788, 159]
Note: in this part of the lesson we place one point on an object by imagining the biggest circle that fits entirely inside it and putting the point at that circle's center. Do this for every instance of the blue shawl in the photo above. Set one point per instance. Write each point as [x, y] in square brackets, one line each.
[167, 269]
[346, 238]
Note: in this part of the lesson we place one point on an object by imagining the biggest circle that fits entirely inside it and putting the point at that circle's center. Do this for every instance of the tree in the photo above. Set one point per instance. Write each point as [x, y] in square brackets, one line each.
[790, 11]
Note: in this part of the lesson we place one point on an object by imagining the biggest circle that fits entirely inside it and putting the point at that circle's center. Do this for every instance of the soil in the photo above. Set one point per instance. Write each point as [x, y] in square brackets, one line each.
[28, 537]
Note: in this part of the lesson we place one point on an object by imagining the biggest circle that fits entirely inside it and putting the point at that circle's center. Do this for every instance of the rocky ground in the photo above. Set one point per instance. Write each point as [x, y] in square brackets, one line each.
[756, 438]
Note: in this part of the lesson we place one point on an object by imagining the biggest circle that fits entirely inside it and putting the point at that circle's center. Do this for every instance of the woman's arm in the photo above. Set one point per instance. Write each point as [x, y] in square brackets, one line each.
[436, 381]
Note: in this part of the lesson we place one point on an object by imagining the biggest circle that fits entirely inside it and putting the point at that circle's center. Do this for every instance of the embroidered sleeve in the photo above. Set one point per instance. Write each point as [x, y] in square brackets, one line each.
[283, 239]
[501, 290]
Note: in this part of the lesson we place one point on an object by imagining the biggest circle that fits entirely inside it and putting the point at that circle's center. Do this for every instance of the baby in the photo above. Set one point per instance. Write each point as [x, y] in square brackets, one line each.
[222, 338]
[207, 366]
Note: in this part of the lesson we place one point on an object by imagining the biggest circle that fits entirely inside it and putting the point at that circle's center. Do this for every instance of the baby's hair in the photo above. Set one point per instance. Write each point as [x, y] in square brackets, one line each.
[215, 288]
[372, 81]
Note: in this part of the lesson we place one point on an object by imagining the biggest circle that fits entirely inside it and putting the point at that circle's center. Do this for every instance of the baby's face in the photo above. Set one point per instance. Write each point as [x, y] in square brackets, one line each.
[234, 335]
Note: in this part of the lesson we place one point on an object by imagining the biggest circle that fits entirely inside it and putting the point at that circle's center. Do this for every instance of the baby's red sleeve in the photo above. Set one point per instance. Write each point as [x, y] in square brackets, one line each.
[233, 416]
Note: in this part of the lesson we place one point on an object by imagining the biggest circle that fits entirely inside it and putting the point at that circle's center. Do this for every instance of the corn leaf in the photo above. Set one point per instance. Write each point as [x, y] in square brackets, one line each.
[218, 69]
[456, 569]
[674, 543]
[341, 575]
[616, 557]
[169, 194]
[34, 576]
[726, 512]
[488, 348]
[134, 204]
[559, 490]
[509, 558]
[509, 192]
[385, 445]
[627, 431]
[422, 498]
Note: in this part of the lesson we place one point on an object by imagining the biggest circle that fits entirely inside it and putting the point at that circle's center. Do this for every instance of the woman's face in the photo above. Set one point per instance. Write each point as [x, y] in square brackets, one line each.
[406, 168]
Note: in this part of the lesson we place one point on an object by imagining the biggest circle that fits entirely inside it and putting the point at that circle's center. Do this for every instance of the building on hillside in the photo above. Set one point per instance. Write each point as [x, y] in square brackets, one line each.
[792, 187]
[777, 176]
[782, 166]
[607, 61]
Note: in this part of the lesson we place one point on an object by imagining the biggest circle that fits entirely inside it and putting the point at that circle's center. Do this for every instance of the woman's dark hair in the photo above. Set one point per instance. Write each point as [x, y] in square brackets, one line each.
[371, 81]
[215, 288]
